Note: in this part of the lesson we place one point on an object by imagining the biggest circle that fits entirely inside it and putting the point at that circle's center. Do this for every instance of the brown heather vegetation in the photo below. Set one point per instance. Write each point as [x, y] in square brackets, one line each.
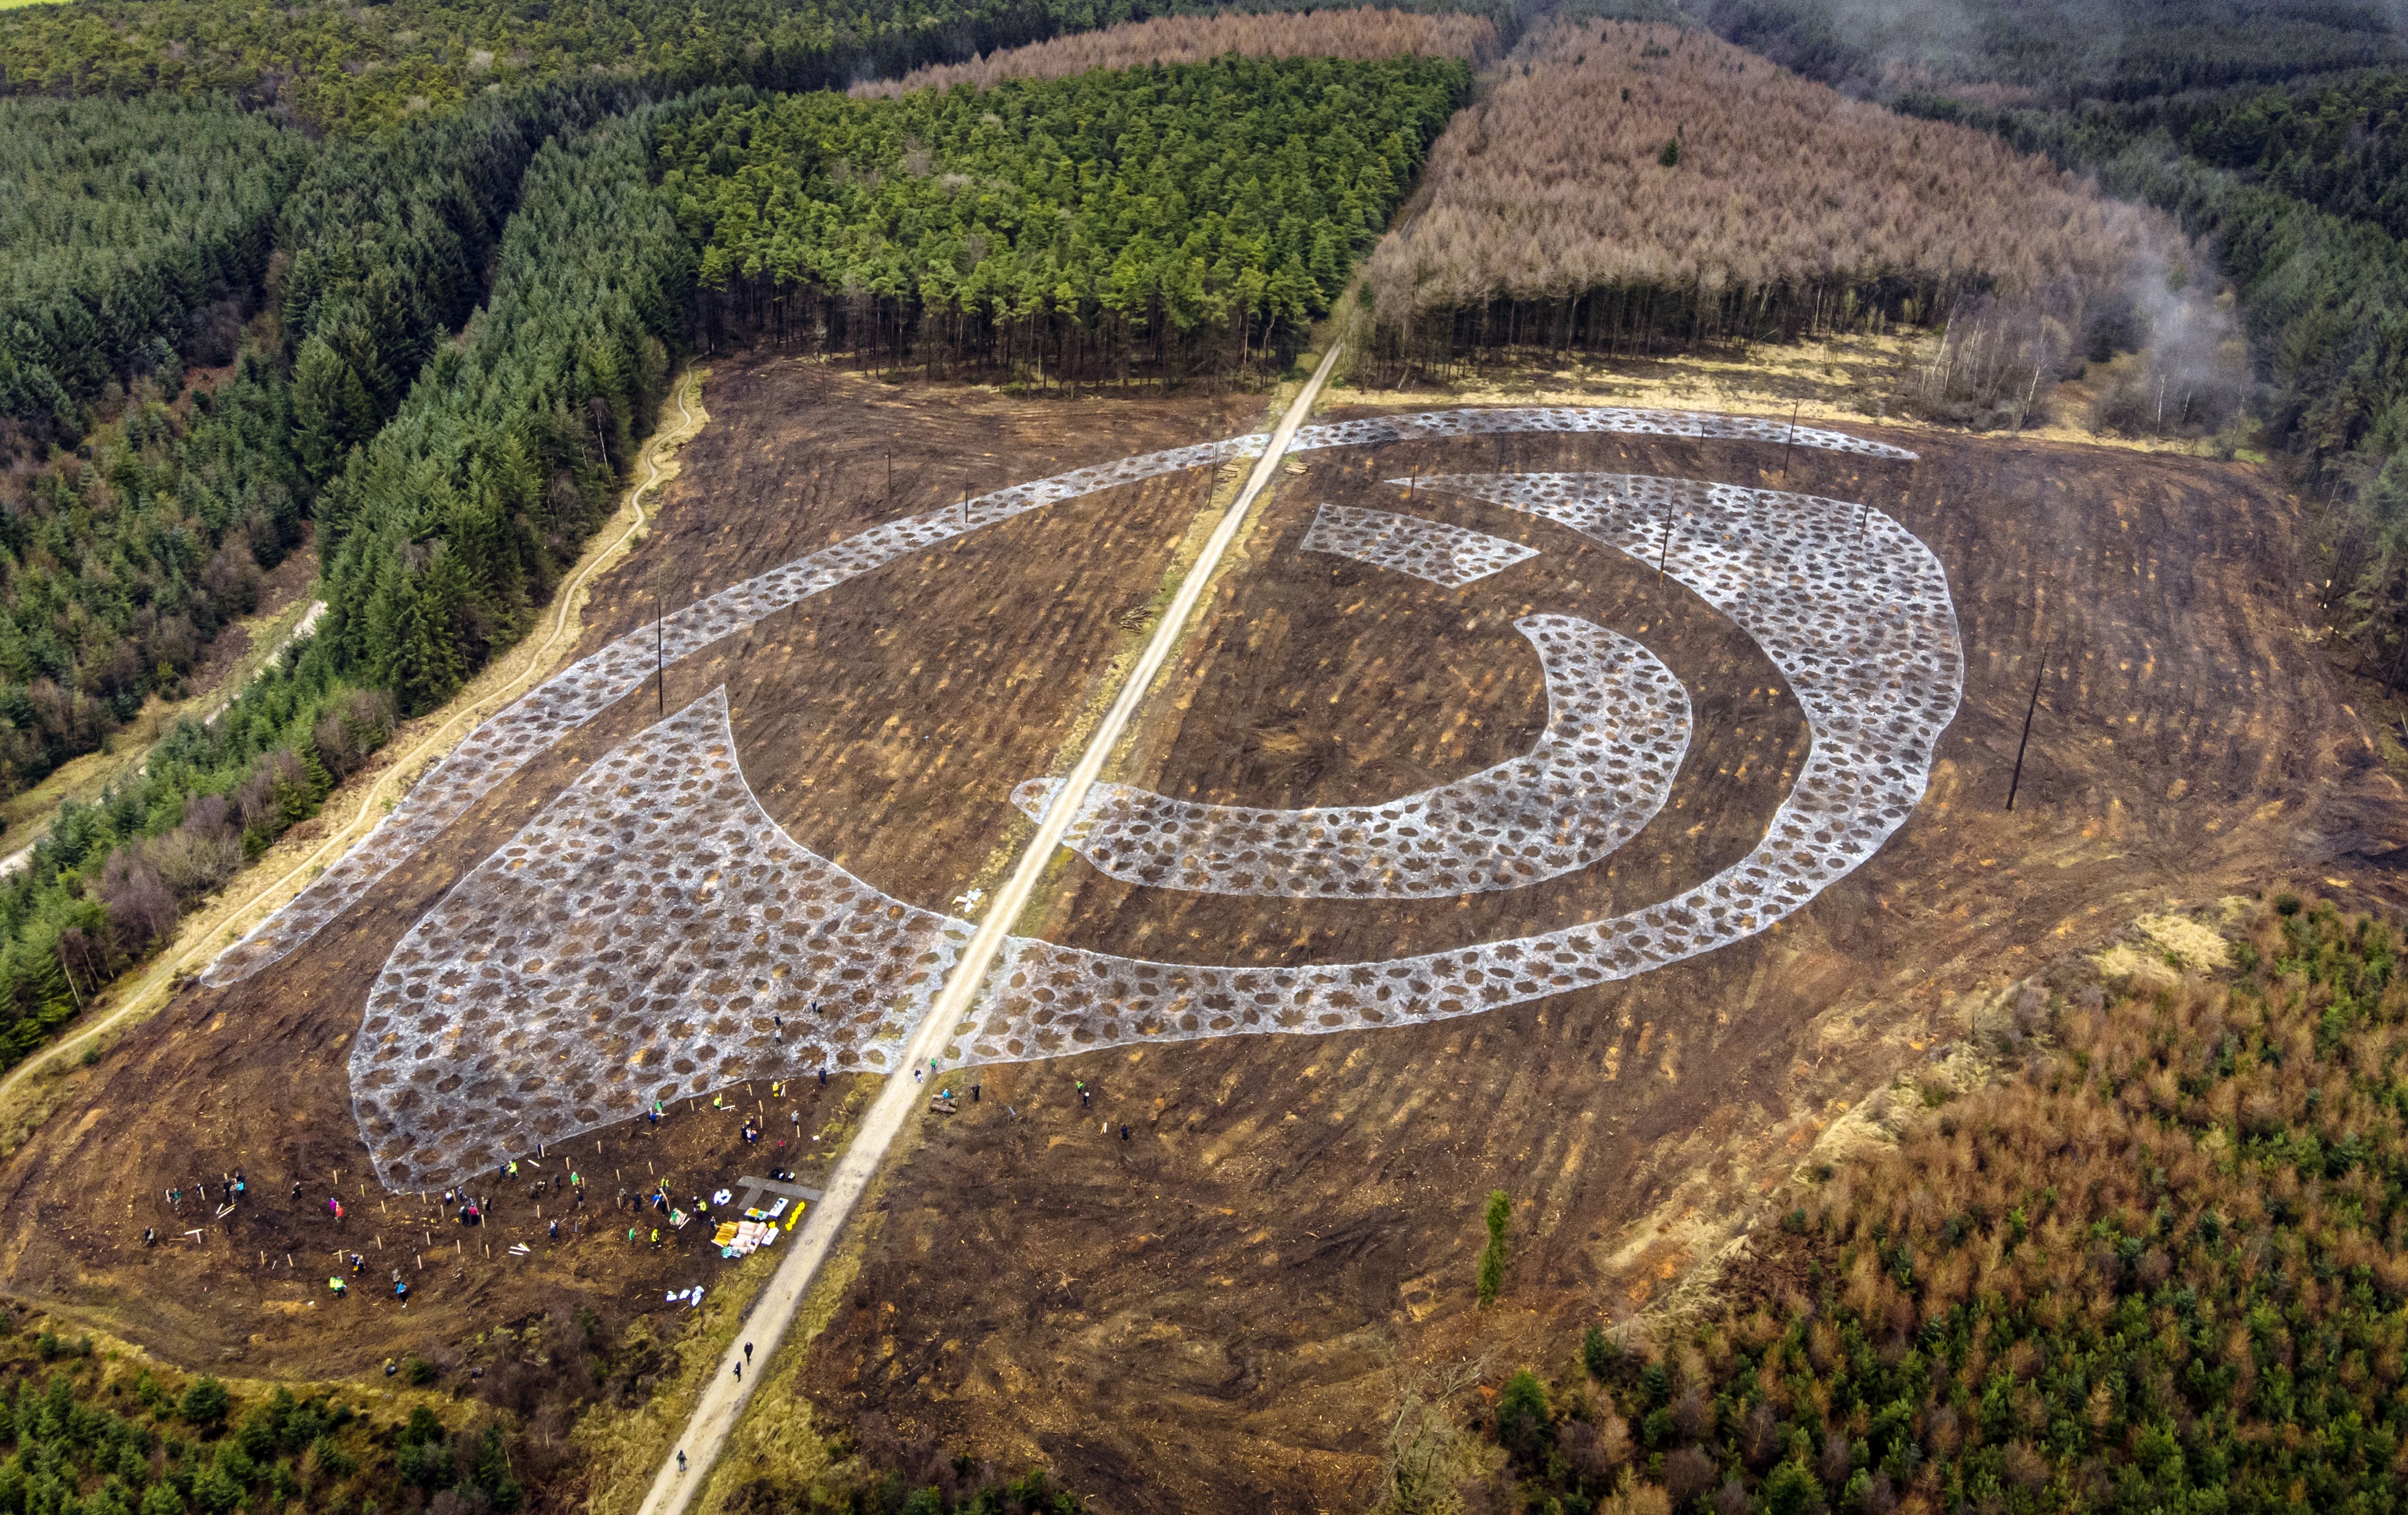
[1630, 187]
[2163, 1268]
[1366, 34]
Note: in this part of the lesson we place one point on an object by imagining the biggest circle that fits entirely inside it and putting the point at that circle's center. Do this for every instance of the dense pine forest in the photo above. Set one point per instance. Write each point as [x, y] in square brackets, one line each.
[117, 571]
[354, 69]
[442, 534]
[120, 561]
[357, 69]
[1614, 193]
[1365, 34]
[2273, 135]
[132, 239]
[1167, 220]
[2160, 1268]
[391, 241]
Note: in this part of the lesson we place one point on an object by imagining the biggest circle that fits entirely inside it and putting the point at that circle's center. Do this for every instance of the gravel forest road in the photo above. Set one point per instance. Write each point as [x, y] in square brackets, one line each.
[724, 1397]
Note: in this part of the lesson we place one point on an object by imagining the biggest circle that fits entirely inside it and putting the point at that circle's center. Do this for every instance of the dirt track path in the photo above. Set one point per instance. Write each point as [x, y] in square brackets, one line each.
[23, 856]
[204, 936]
[725, 1395]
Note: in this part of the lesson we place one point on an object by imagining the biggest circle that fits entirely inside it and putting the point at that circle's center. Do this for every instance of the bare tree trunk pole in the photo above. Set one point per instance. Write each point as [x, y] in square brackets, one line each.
[2016, 781]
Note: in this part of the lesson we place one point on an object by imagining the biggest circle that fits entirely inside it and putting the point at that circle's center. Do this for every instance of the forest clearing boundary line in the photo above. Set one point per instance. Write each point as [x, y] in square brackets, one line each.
[163, 973]
[723, 1394]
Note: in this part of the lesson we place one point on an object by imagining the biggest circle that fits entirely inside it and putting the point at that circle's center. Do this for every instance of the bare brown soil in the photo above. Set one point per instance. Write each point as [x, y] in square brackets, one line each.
[992, 645]
[1203, 1317]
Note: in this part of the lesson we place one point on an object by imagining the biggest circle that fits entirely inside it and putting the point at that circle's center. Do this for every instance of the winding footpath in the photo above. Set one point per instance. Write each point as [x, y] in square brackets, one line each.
[725, 1395]
[23, 857]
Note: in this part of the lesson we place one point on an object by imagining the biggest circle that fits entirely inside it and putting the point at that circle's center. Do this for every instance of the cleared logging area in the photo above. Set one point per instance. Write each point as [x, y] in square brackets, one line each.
[1642, 189]
[1363, 34]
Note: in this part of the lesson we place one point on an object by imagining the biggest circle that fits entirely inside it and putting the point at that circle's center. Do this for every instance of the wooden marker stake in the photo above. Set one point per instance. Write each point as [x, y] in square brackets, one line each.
[2017, 782]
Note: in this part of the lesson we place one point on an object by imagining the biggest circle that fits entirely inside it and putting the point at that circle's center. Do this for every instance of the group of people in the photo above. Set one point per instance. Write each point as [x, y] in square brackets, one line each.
[233, 1189]
[469, 1212]
[472, 1211]
[341, 1289]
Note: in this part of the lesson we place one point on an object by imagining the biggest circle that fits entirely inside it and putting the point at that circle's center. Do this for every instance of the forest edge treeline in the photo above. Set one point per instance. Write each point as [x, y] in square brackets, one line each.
[2157, 1265]
[453, 443]
[449, 442]
[2274, 139]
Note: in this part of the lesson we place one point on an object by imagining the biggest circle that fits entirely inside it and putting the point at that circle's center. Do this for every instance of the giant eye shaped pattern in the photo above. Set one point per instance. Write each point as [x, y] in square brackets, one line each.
[633, 941]
[1617, 726]
[528, 727]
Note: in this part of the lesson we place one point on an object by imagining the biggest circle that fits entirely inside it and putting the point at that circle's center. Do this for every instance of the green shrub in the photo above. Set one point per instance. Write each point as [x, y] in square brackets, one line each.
[205, 1404]
[1792, 1490]
[1657, 1431]
[1598, 1352]
[1492, 1257]
[423, 1426]
[1522, 1415]
[216, 1491]
[256, 1434]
